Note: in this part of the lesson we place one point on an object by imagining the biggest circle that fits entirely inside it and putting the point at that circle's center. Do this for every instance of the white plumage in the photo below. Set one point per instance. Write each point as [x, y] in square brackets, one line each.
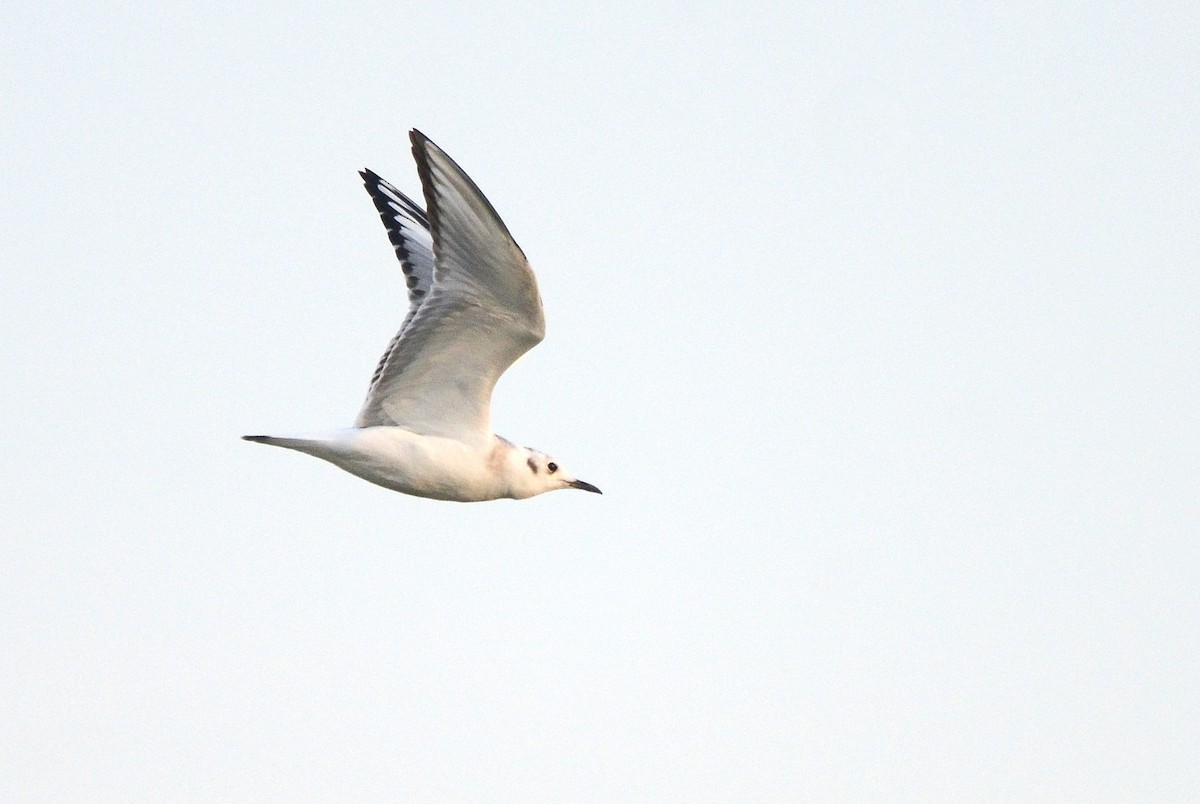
[425, 426]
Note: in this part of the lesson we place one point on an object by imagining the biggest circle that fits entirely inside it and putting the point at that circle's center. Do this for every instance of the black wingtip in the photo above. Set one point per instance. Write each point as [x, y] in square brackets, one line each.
[259, 439]
[371, 179]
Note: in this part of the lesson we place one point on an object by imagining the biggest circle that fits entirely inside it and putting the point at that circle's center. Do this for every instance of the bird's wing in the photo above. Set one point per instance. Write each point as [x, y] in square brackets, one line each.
[408, 229]
[482, 313]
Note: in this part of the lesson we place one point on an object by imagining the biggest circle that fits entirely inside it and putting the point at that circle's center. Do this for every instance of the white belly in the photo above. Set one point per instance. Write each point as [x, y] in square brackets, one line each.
[424, 466]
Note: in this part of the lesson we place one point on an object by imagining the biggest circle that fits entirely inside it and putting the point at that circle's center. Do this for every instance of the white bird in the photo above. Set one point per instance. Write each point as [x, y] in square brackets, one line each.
[425, 427]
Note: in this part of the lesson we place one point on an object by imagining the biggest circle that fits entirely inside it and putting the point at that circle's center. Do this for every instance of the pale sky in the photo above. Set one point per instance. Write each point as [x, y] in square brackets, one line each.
[877, 325]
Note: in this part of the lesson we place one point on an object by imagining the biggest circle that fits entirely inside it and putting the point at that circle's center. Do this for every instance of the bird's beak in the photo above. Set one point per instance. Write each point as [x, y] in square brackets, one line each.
[579, 484]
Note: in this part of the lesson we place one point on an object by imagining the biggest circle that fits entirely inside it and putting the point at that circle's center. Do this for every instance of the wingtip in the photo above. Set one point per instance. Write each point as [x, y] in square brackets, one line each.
[427, 154]
[370, 179]
[420, 152]
[421, 144]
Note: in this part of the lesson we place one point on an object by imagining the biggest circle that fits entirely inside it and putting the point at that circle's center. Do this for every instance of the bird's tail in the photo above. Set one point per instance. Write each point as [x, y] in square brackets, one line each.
[302, 444]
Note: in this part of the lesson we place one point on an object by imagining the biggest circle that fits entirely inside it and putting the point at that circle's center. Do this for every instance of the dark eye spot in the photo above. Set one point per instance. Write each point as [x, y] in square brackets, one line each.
[552, 467]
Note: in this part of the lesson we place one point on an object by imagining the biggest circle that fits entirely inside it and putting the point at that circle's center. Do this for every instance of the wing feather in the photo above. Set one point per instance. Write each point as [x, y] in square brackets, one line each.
[408, 230]
[482, 312]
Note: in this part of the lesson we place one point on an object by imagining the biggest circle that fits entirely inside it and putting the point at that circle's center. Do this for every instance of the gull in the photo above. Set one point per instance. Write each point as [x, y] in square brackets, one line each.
[425, 427]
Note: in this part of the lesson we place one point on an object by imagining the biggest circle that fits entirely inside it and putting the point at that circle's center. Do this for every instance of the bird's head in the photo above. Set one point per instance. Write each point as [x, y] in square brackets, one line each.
[533, 472]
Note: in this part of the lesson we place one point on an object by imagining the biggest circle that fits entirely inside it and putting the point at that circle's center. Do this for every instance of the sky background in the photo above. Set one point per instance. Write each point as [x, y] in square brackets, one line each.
[877, 325]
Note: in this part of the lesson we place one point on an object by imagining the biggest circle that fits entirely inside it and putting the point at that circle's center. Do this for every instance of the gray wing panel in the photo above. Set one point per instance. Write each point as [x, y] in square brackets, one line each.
[482, 313]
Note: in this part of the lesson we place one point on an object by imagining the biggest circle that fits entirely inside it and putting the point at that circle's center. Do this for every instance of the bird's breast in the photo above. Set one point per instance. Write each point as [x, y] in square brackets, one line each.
[425, 466]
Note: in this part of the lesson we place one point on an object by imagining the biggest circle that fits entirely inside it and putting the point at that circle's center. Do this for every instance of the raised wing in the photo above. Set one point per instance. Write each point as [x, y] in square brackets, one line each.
[408, 229]
[482, 313]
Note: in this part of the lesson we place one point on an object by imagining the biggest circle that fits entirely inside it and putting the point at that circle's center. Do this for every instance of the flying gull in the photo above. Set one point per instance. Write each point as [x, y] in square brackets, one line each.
[425, 427]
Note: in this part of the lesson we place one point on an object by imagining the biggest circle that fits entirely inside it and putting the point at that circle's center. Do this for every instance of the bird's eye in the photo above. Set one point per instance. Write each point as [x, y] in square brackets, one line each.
[552, 467]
